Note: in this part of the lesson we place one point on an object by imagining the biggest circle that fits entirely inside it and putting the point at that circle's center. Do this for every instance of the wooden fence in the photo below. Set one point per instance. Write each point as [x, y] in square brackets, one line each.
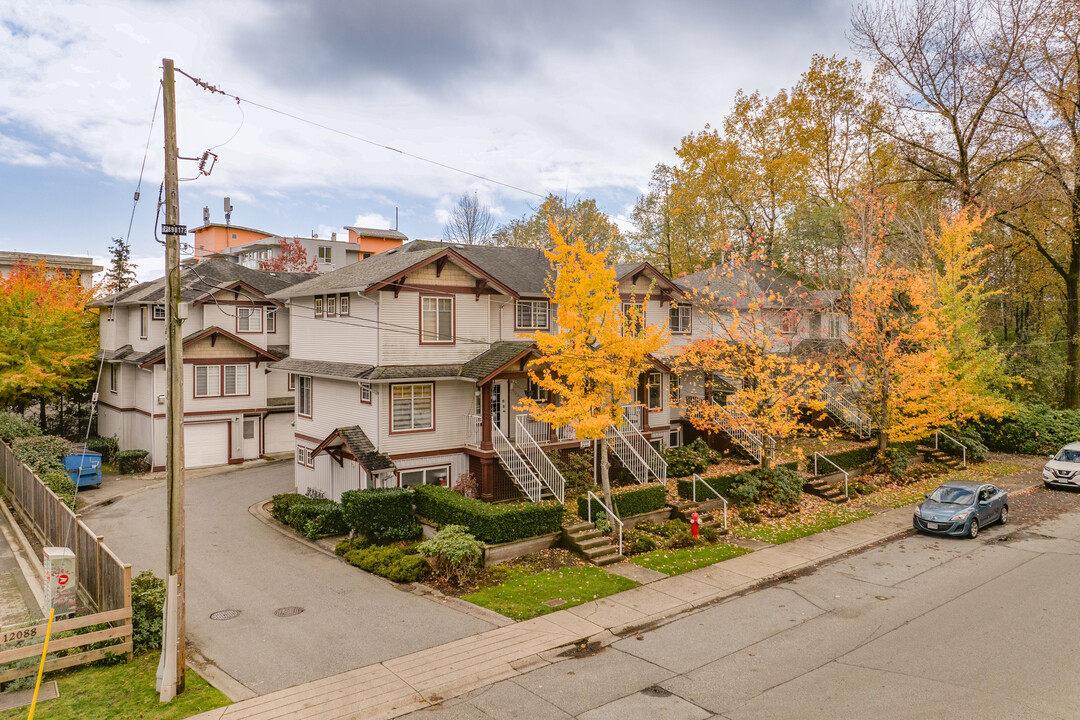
[104, 582]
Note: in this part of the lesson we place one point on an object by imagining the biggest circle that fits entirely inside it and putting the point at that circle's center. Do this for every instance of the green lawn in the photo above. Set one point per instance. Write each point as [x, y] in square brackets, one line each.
[120, 692]
[522, 595]
[676, 562]
[793, 527]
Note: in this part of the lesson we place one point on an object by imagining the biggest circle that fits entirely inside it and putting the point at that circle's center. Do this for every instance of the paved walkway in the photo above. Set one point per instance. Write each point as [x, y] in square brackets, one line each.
[20, 581]
[396, 687]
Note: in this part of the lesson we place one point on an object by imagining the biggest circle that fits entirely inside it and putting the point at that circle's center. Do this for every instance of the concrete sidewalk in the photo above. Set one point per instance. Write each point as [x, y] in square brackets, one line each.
[411, 682]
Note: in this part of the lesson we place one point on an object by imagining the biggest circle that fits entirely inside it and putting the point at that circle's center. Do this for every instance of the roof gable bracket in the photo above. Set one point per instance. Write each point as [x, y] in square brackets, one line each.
[440, 264]
[481, 285]
[398, 283]
[213, 340]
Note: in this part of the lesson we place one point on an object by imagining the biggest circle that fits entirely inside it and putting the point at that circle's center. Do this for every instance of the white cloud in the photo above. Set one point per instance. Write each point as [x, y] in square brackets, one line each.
[373, 220]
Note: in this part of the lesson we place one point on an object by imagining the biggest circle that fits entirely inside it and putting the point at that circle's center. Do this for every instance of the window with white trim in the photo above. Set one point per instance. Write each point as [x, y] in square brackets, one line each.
[789, 323]
[249, 320]
[331, 305]
[159, 312]
[292, 381]
[144, 324]
[343, 305]
[412, 407]
[318, 306]
[673, 388]
[832, 325]
[426, 476]
[304, 456]
[675, 437]
[654, 390]
[207, 381]
[114, 377]
[536, 392]
[436, 319]
[236, 379]
[365, 393]
[634, 317]
[532, 314]
[271, 320]
[303, 395]
[679, 319]
[325, 254]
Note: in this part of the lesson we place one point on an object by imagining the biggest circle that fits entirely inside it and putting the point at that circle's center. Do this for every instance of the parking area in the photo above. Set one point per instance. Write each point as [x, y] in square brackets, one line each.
[236, 562]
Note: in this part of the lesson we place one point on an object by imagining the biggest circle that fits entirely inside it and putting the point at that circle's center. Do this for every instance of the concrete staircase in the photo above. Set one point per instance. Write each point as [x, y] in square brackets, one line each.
[683, 509]
[940, 456]
[827, 487]
[584, 539]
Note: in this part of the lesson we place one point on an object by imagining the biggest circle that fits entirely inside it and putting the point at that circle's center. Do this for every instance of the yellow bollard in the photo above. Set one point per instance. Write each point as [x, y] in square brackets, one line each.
[41, 667]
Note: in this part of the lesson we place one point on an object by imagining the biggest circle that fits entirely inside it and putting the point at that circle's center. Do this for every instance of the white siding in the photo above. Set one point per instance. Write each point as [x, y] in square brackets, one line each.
[458, 462]
[401, 346]
[278, 429]
[350, 339]
[453, 400]
[335, 403]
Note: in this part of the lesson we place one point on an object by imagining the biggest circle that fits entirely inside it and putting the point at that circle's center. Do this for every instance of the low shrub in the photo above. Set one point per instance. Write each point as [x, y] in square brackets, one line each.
[631, 500]
[896, 460]
[384, 514]
[1033, 429]
[355, 543]
[671, 527]
[680, 539]
[41, 453]
[316, 518]
[147, 601]
[710, 534]
[636, 542]
[132, 461]
[107, 446]
[576, 468]
[683, 462]
[846, 459]
[489, 523]
[454, 553]
[14, 427]
[389, 562]
[281, 504]
[749, 514]
[64, 487]
[971, 439]
[780, 485]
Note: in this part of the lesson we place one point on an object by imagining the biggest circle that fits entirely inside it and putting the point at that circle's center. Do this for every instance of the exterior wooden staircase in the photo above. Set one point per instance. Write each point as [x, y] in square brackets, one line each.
[584, 539]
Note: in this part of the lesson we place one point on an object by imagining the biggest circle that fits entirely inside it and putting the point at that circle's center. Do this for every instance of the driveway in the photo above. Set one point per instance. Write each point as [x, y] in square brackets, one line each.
[236, 562]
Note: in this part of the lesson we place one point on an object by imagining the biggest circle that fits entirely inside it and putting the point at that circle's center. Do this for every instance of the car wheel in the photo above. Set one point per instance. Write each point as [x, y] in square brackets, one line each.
[973, 531]
[1004, 514]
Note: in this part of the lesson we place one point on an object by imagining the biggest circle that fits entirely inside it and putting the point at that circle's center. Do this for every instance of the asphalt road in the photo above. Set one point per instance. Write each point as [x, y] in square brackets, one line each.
[916, 628]
[235, 561]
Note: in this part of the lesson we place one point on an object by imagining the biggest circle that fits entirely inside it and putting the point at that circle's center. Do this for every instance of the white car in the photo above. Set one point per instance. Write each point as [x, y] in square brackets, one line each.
[1063, 470]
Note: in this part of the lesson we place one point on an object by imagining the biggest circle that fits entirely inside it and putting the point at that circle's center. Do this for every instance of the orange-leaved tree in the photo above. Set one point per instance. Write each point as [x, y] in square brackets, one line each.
[752, 311]
[949, 295]
[293, 258]
[47, 336]
[591, 362]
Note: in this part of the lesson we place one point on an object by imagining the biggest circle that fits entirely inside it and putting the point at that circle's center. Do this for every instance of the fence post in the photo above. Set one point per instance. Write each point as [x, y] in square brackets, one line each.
[127, 605]
[100, 580]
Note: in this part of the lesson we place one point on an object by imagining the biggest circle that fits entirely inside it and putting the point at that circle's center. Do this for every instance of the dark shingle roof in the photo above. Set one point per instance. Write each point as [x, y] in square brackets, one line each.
[493, 359]
[124, 352]
[281, 351]
[364, 450]
[360, 275]
[323, 368]
[755, 282]
[377, 233]
[414, 372]
[202, 279]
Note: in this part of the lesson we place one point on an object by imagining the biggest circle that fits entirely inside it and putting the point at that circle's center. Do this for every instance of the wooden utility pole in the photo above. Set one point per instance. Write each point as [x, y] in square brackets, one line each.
[174, 400]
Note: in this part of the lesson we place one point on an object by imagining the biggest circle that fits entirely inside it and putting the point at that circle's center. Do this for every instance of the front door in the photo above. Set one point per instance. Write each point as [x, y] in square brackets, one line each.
[499, 397]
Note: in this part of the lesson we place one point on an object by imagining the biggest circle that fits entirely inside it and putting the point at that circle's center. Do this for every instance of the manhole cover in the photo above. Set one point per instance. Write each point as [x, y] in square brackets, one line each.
[288, 611]
[554, 602]
[224, 614]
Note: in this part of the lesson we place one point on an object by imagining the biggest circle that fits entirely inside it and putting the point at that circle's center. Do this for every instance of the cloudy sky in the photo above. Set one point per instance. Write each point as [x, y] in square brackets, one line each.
[577, 98]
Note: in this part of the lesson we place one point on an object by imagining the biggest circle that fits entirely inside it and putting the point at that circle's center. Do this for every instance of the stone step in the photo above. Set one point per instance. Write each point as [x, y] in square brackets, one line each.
[608, 559]
[598, 541]
[579, 527]
[594, 552]
[589, 534]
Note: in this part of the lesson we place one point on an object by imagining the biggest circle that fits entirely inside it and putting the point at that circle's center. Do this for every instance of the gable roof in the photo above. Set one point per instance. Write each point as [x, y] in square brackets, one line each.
[625, 271]
[200, 280]
[356, 441]
[740, 286]
[158, 354]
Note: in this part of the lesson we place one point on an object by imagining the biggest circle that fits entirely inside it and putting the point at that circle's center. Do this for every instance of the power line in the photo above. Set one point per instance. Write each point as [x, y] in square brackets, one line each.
[214, 89]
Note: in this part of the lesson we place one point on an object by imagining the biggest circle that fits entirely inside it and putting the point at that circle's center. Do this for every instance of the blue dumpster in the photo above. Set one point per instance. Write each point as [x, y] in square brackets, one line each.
[84, 468]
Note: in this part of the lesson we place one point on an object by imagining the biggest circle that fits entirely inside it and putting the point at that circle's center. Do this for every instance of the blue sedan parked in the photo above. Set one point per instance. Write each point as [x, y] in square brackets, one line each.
[961, 508]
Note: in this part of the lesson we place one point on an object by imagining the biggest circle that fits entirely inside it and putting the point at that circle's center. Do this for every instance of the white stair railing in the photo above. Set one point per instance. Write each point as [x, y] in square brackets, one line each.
[698, 479]
[736, 424]
[656, 462]
[957, 443]
[516, 465]
[473, 430]
[850, 416]
[626, 453]
[610, 513]
[545, 469]
[632, 414]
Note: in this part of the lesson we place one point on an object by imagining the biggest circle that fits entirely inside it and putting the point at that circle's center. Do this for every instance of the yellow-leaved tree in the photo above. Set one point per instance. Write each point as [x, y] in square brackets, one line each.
[591, 362]
[752, 311]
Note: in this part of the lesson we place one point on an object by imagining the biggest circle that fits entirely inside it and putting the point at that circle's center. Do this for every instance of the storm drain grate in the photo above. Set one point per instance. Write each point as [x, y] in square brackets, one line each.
[224, 614]
[288, 611]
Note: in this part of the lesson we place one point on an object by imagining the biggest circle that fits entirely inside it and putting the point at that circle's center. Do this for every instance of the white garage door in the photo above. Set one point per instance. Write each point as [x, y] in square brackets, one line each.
[206, 444]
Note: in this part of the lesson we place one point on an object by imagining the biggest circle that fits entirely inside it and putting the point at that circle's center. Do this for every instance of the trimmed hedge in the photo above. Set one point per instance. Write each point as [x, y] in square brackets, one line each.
[312, 517]
[64, 487]
[781, 485]
[13, 427]
[390, 562]
[489, 523]
[383, 514]
[632, 500]
[132, 461]
[847, 459]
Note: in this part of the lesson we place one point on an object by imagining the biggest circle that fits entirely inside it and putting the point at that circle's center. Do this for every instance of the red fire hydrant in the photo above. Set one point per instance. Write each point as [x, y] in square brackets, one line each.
[694, 524]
